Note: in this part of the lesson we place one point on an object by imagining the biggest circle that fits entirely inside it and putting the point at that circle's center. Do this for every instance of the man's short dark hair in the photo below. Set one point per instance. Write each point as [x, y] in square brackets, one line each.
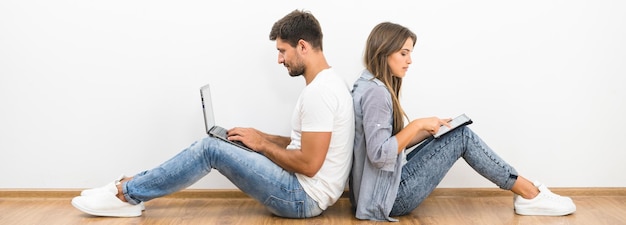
[298, 25]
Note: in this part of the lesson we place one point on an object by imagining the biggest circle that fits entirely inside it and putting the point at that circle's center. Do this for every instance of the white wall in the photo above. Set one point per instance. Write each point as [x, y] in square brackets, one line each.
[93, 89]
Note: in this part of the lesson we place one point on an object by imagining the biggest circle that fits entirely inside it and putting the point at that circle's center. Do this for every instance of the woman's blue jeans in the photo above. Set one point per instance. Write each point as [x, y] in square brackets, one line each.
[428, 164]
[253, 173]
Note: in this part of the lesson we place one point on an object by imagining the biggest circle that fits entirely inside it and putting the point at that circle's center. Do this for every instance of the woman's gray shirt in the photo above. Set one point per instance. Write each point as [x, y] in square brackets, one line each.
[377, 166]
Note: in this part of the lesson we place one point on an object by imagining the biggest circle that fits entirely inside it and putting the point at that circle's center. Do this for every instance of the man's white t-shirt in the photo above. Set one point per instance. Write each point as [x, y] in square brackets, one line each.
[325, 105]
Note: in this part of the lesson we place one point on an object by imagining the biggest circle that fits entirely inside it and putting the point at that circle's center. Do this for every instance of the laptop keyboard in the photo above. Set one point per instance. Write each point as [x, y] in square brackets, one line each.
[219, 131]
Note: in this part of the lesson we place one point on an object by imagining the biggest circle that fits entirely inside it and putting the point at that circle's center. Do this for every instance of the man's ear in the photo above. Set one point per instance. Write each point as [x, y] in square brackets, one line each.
[303, 46]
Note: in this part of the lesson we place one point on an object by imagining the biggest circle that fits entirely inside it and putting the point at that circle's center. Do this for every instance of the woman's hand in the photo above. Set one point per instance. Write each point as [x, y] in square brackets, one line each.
[431, 124]
[418, 130]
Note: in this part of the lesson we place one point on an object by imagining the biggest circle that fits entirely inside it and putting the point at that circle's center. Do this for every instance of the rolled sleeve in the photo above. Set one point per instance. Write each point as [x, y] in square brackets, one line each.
[382, 147]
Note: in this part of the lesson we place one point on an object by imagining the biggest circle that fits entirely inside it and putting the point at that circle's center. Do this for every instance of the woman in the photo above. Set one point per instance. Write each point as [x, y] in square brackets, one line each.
[385, 182]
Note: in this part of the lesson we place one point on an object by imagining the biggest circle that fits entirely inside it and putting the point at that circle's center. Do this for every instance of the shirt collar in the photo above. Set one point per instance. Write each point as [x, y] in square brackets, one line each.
[367, 75]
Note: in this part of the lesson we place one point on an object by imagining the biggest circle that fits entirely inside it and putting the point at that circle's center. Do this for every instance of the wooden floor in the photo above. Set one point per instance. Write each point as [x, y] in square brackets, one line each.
[444, 206]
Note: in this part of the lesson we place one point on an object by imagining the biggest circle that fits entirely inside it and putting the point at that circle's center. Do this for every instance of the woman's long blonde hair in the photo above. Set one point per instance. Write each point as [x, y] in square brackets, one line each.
[385, 39]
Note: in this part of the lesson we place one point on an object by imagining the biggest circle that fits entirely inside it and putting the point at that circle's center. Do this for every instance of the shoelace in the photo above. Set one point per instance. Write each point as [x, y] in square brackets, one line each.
[552, 196]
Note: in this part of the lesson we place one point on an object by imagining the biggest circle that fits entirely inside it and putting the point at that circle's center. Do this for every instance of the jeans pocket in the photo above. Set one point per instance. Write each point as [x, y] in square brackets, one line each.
[285, 208]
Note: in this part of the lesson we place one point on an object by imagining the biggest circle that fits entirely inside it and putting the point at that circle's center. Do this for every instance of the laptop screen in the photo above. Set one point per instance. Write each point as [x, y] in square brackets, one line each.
[207, 107]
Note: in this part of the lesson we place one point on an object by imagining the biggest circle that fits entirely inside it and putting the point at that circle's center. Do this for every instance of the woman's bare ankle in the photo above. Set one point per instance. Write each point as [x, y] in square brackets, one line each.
[525, 188]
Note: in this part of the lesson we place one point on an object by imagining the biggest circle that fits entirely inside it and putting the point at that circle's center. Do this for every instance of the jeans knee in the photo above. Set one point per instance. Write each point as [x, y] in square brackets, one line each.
[466, 131]
[204, 144]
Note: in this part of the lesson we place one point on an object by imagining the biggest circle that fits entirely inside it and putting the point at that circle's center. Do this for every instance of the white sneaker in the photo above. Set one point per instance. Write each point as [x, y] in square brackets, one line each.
[108, 188]
[105, 204]
[545, 203]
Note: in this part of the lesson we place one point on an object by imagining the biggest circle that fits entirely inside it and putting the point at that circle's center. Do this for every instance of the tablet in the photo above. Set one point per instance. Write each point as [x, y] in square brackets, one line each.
[456, 122]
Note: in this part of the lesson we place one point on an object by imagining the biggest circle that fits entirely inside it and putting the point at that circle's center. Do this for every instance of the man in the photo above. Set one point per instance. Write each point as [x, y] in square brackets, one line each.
[296, 177]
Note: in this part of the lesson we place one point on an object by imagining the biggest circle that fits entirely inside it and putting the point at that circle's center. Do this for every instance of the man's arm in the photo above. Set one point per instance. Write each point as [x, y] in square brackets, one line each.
[307, 161]
[281, 141]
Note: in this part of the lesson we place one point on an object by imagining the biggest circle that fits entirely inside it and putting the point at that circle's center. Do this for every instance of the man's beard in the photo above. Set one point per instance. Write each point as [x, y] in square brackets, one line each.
[296, 70]
[295, 73]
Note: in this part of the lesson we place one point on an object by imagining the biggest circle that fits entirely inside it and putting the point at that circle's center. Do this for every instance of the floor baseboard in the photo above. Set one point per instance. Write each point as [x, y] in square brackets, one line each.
[235, 193]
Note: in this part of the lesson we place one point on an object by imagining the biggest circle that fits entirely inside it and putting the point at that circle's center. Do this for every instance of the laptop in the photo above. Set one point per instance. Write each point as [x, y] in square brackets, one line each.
[209, 119]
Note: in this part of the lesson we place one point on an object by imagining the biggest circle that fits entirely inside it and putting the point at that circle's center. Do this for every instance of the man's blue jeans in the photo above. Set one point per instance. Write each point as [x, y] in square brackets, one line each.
[429, 163]
[253, 173]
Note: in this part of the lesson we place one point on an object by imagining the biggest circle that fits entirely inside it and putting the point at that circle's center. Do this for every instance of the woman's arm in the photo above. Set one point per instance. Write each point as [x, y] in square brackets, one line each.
[415, 132]
[421, 136]
[418, 130]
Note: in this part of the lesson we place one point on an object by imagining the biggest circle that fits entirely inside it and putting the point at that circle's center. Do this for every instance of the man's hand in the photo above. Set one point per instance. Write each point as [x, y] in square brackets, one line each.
[251, 137]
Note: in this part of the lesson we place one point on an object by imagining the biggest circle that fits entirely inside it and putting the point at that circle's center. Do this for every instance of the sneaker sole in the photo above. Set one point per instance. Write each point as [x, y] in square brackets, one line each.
[82, 193]
[105, 213]
[543, 212]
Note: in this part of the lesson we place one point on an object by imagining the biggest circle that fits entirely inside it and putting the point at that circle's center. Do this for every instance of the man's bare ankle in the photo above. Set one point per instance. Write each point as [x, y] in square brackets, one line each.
[120, 192]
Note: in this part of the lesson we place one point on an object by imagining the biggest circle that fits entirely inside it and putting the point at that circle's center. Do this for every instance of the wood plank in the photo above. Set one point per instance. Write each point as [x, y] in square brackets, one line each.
[445, 207]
